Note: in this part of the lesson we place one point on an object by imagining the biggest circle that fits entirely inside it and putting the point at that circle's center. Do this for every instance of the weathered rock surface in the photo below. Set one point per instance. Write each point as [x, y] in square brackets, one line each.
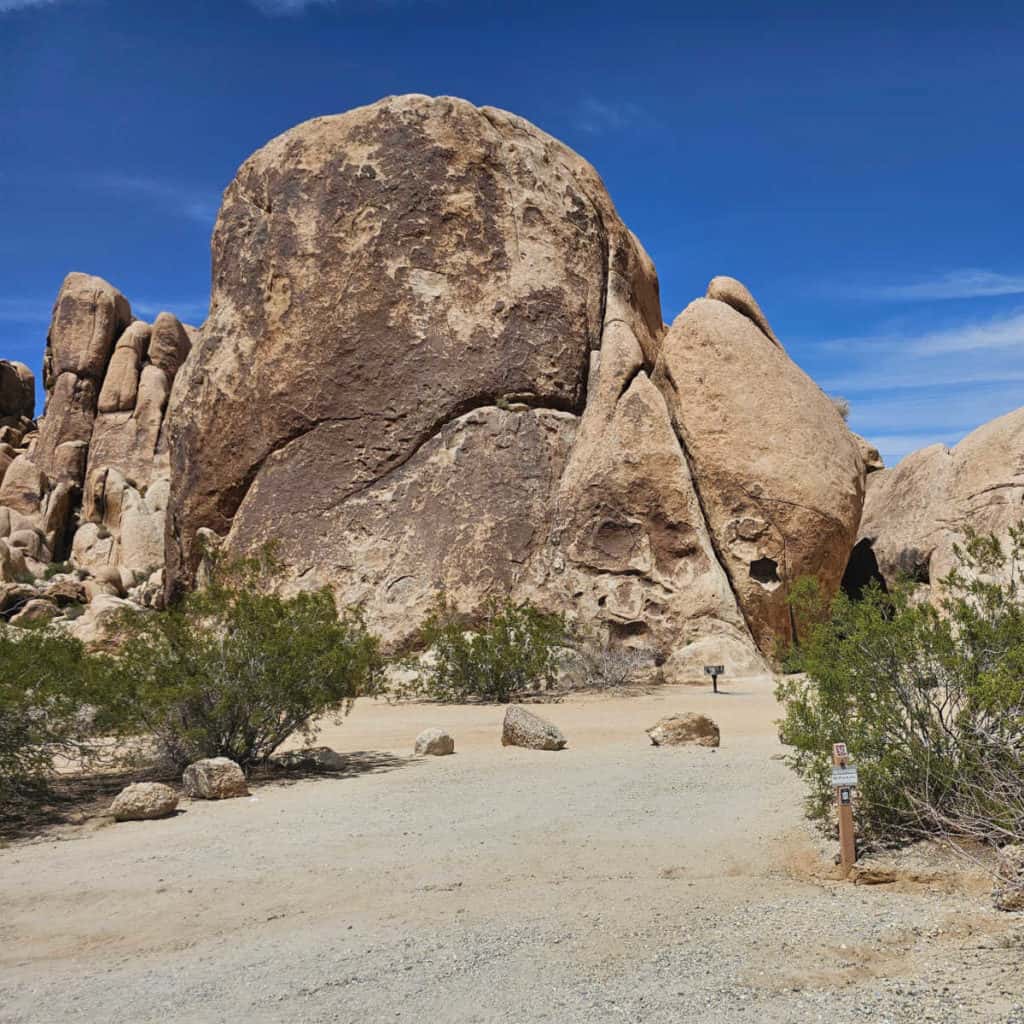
[39, 609]
[685, 729]
[214, 778]
[1008, 893]
[780, 479]
[522, 728]
[474, 254]
[435, 363]
[144, 800]
[310, 759]
[915, 512]
[17, 393]
[437, 742]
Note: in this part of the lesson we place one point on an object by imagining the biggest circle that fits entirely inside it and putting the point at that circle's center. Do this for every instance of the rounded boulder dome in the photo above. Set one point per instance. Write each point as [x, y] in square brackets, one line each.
[376, 275]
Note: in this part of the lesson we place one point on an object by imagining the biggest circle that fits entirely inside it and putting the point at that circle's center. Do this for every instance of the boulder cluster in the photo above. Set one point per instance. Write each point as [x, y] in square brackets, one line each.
[435, 363]
[83, 492]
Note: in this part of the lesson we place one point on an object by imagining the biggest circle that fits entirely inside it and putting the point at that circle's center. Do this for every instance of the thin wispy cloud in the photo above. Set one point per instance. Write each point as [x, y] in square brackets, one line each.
[7, 6]
[967, 283]
[196, 204]
[908, 388]
[285, 7]
[597, 117]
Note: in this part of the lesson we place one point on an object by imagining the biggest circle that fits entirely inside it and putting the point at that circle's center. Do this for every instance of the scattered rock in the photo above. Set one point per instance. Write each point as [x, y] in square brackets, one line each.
[214, 778]
[1008, 893]
[435, 741]
[39, 609]
[873, 874]
[144, 800]
[679, 730]
[310, 759]
[523, 728]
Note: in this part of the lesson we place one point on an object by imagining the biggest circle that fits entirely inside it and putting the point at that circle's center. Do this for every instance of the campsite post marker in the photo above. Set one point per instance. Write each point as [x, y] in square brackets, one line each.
[714, 671]
[844, 778]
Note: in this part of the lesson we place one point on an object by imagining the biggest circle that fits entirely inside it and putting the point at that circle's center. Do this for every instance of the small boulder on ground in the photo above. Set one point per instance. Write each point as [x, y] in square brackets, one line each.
[214, 778]
[523, 728]
[436, 742]
[309, 759]
[1008, 893]
[142, 801]
[680, 730]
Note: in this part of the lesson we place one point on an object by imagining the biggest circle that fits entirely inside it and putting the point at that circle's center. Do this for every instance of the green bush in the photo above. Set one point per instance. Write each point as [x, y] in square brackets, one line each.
[511, 648]
[234, 670]
[930, 703]
[49, 704]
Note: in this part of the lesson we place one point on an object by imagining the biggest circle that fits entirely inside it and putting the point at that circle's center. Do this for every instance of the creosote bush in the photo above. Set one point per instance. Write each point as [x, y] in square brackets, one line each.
[234, 670]
[511, 648]
[929, 701]
[50, 704]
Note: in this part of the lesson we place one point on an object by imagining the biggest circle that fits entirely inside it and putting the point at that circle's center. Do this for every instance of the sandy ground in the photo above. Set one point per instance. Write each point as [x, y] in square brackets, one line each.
[612, 881]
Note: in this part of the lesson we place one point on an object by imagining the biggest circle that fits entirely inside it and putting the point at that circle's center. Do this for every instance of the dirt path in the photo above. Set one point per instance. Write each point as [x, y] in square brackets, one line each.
[612, 881]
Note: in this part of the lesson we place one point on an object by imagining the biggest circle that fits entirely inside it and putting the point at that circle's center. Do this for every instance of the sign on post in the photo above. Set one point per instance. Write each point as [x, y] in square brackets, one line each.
[844, 778]
[714, 671]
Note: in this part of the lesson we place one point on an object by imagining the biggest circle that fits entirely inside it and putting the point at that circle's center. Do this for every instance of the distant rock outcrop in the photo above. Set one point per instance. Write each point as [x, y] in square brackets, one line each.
[915, 512]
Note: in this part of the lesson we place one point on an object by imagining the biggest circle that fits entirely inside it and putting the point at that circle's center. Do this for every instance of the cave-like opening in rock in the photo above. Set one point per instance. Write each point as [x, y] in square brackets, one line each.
[764, 571]
[861, 570]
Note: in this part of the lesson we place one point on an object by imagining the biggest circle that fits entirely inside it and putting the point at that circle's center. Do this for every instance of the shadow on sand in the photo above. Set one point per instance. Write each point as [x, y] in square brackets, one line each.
[76, 799]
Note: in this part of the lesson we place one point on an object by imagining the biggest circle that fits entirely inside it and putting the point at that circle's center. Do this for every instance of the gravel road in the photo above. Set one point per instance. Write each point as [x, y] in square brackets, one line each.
[612, 881]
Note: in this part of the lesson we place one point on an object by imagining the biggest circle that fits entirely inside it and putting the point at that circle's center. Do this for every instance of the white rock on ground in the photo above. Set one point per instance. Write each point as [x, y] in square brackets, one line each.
[436, 742]
[142, 801]
[523, 728]
[214, 778]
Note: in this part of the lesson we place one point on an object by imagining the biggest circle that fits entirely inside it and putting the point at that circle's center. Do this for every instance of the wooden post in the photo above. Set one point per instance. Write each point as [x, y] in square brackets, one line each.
[844, 808]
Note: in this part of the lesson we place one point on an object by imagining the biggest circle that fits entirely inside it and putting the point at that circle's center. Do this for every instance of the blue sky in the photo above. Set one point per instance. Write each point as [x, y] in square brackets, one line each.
[859, 169]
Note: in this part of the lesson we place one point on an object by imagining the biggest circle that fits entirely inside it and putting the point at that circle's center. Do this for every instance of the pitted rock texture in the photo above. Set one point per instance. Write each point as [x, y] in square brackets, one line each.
[779, 476]
[435, 364]
[377, 275]
[915, 512]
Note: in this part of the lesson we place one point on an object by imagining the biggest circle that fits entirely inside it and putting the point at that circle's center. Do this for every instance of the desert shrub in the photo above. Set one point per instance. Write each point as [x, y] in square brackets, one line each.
[594, 663]
[807, 608]
[234, 669]
[930, 702]
[842, 405]
[509, 648]
[48, 708]
[56, 569]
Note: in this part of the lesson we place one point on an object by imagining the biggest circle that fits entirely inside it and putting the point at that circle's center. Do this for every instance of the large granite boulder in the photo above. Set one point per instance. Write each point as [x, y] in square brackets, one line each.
[917, 511]
[475, 414]
[779, 476]
[378, 276]
[435, 364]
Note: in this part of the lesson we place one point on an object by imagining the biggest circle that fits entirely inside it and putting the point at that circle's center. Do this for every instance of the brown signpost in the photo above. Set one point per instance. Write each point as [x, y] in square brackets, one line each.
[844, 779]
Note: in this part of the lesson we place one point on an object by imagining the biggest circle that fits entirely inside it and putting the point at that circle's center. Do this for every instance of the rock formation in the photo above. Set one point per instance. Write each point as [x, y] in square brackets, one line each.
[435, 363]
[91, 483]
[915, 512]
